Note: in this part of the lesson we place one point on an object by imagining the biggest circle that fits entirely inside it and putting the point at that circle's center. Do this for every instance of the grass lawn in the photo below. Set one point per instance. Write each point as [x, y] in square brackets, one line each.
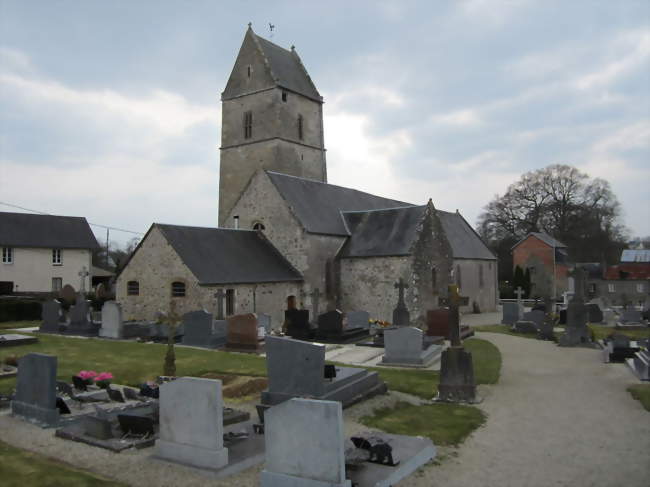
[131, 363]
[601, 332]
[12, 325]
[445, 424]
[20, 468]
[641, 392]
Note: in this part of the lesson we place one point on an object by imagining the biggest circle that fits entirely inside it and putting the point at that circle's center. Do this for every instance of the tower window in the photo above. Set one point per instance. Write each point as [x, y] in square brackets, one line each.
[300, 127]
[248, 71]
[178, 289]
[133, 288]
[230, 302]
[248, 124]
[284, 96]
[259, 226]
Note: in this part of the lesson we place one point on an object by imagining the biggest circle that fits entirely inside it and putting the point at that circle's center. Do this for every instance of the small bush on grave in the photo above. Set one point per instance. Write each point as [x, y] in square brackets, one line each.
[11, 360]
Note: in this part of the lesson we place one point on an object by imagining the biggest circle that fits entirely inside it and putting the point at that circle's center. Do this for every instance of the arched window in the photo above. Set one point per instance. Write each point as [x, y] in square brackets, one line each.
[291, 302]
[178, 289]
[259, 226]
[248, 124]
[300, 127]
[434, 280]
[133, 288]
[480, 276]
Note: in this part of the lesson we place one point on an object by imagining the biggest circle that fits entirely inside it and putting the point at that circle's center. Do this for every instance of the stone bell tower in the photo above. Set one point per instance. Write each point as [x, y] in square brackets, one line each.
[272, 118]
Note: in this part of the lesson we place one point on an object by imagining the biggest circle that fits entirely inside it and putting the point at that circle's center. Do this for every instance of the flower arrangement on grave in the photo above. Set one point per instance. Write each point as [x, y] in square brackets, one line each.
[381, 323]
[103, 379]
[87, 376]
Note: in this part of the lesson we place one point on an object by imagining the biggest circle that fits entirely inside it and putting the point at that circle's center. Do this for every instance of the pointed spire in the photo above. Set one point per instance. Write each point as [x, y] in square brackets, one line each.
[250, 25]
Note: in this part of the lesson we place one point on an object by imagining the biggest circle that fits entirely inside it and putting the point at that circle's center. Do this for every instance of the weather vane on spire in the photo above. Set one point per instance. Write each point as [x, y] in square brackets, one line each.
[271, 27]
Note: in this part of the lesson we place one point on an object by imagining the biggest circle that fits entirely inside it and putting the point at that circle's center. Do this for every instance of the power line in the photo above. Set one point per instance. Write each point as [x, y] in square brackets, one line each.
[90, 223]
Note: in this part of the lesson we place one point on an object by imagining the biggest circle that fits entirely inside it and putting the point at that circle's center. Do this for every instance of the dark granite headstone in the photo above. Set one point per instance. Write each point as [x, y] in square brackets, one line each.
[35, 397]
[330, 328]
[577, 332]
[297, 321]
[51, 315]
[595, 313]
[200, 331]
[79, 322]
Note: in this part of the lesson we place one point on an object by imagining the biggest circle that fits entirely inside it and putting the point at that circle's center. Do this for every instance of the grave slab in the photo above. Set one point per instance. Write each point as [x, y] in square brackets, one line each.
[405, 347]
[35, 398]
[13, 339]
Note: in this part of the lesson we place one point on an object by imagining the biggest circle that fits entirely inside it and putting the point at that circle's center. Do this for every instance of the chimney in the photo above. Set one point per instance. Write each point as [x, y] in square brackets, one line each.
[236, 222]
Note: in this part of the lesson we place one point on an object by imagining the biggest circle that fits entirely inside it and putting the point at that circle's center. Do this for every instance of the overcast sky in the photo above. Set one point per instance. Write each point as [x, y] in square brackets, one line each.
[111, 109]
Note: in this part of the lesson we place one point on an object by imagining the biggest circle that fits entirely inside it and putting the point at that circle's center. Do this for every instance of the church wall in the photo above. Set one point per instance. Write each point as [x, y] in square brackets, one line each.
[484, 295]
[320, 250]
[156, 265]
[369, 284]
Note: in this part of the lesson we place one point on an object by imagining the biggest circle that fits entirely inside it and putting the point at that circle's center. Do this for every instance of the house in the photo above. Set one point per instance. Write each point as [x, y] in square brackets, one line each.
[189, 265]
[42, 253]
[544, 257]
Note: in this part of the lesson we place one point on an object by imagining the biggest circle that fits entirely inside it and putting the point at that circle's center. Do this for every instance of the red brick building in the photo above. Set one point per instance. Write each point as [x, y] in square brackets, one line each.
[544, 257]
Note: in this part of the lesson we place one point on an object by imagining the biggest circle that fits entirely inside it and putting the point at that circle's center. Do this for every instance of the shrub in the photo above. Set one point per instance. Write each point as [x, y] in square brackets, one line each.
[20, 310]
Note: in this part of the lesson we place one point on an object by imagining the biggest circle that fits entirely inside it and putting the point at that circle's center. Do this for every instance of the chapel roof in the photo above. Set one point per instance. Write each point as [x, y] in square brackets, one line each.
[45, 231]
[227, 256]
[391, 232]
[318, 205]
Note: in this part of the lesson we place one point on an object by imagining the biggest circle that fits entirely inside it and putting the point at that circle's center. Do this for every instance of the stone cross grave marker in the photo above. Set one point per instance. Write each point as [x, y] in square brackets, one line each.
[401, 316]
[83, 273]
[112, 323]
[315, 301]
[35, 397]
[519, 292]
[191, 431]
[220, 295]
[454, 301]
[304, 444]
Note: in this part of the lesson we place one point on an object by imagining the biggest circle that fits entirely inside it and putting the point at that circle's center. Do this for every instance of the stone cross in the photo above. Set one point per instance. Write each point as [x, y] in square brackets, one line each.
[579, 278]
[454, 301]
[519, 292]
[220, 295]
[401, 286]
[315, 298]
[83, 273]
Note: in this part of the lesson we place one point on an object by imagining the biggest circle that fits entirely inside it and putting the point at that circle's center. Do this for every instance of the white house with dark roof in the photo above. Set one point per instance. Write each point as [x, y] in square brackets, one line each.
[42, 253]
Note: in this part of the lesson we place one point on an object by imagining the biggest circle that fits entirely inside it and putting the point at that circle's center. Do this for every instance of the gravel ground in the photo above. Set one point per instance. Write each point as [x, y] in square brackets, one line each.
[557, 417]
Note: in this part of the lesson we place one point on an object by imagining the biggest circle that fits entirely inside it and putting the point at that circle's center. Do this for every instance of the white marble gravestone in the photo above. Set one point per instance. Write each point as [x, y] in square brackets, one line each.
[112, 323]
[304, 445]
[191, 423]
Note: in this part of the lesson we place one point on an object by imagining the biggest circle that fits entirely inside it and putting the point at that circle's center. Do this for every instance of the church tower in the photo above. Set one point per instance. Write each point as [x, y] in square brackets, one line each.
[272, 118]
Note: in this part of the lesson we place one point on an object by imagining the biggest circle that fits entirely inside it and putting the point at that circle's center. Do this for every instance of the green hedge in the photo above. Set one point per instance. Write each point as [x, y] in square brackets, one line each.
[19, 310]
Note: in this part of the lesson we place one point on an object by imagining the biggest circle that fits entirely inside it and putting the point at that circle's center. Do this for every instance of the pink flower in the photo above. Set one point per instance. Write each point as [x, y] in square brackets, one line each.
[87, 374]
[103, 376]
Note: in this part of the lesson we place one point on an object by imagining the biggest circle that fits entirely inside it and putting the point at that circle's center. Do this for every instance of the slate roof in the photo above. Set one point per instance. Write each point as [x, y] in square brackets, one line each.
[635, 255]
[287, 69]
[318, 205]
[544, 237]
[391, 232]
[45, 231]
[226, 256]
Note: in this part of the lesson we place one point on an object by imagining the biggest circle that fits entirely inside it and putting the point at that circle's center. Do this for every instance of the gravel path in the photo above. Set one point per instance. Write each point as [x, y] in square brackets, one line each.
[557, 417]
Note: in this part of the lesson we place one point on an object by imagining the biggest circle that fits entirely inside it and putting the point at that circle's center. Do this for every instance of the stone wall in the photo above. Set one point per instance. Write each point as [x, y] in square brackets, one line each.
[483, 292]
[156, 265]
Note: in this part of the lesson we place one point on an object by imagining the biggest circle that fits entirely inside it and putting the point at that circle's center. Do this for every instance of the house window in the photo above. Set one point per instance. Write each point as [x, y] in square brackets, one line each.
[248, 124]
[230, 302]
[178, 289]
[7, 255]
[300, 126]
[57, 283]
[610, 288]
[133, 288]
[592, 288]
[284, 96]
[259, 226]
[56, 256]
[639, 288]
[480, 276]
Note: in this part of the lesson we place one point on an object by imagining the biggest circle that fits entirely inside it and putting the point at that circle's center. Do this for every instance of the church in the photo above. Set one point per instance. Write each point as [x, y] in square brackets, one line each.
[286, 233]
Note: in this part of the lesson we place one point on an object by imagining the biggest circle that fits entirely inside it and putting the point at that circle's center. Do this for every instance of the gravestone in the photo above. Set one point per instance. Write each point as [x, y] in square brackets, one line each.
[51, 315]
[609, 316]
[512, 312]
[315, 302]
[242, 333]
[438, 324]
[631, 316]
[536, 316]
[530, 322]
[100, 291]
[358, 319]
[528, 327]
[35, 397]
[577, 332]
[456, 366]
[79, 323]
[405, 346]
[618, 348]
[304, 445]
[330, 328]
[594, 313]
[112, 323]
[264, 321]
[297, 324]
[68, 294]
[401, 316]
[297, 369]
[202, 331]
[191, 423]
[640, 364]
